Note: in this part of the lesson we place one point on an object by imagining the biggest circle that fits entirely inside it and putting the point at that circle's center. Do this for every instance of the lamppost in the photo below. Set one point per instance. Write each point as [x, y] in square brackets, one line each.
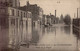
[77, 12]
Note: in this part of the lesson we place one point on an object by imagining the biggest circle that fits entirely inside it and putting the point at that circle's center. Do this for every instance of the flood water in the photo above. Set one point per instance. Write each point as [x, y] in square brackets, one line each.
[55, 38]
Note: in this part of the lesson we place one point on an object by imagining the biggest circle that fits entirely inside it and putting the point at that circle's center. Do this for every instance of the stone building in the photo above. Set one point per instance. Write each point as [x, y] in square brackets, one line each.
[76, 22]
[13, 27]
[50, 20]
[16, 23]
[36, 11]
[11, 3]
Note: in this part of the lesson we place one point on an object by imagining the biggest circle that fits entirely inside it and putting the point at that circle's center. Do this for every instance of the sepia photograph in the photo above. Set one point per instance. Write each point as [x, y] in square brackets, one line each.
[39, 25]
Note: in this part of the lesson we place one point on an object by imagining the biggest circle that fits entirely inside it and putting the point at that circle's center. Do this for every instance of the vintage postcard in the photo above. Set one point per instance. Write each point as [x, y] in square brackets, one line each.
[39, 25]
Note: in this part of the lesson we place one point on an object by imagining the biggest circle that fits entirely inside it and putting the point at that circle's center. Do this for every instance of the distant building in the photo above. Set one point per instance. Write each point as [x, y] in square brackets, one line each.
[76, 22]
[36, 11]
[50, 19]
[53, 19]
[57, 20]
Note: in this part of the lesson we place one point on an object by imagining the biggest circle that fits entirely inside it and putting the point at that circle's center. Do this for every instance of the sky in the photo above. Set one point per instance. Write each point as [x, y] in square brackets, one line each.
[62, 6]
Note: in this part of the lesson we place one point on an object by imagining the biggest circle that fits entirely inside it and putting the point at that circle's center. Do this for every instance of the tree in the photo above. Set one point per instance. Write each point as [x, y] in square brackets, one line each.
[67, 19]
[61, 18]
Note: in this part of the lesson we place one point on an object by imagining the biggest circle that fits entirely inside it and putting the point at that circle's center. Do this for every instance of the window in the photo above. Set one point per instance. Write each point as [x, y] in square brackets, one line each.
[24, 14]
[12, 21]
[21, 14]
[10, 2]
[17, 22]
[18, 13]
[12, 12]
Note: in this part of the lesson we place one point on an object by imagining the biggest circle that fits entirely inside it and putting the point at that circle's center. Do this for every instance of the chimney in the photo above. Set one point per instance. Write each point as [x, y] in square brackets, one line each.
[27, 3]
[55, 13]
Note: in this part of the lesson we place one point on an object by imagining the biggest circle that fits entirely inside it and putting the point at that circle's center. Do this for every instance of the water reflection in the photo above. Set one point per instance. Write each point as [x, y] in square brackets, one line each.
[67, 29]
[43, 31]
[77, 34]
[59, 38]
[56, 35]
[35, 35]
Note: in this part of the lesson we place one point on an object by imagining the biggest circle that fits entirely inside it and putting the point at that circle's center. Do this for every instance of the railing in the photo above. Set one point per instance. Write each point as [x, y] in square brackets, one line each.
[76, 28]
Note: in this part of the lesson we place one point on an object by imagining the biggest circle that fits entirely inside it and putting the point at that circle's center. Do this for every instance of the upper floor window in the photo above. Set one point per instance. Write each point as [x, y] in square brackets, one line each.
[18, 13]
[24, 14]
[13, 12]
[21, 14]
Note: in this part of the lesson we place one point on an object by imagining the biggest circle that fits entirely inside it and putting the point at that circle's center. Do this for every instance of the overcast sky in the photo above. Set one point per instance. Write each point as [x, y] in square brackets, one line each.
[49, 6]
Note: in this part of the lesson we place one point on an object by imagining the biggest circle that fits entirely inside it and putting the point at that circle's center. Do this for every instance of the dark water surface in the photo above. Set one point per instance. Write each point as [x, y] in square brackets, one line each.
[55, 38]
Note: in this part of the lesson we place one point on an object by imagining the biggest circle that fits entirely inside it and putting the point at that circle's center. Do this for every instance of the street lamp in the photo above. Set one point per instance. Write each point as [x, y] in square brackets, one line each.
[77, 12]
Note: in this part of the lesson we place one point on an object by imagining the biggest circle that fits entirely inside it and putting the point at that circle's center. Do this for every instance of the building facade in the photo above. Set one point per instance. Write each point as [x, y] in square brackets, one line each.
[36, 11]
[16, 24]
[13, 26]
[11, 3]
[76, 22]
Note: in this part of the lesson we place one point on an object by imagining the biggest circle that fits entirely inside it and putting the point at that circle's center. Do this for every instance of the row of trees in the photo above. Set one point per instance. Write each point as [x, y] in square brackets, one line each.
[66, 19]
